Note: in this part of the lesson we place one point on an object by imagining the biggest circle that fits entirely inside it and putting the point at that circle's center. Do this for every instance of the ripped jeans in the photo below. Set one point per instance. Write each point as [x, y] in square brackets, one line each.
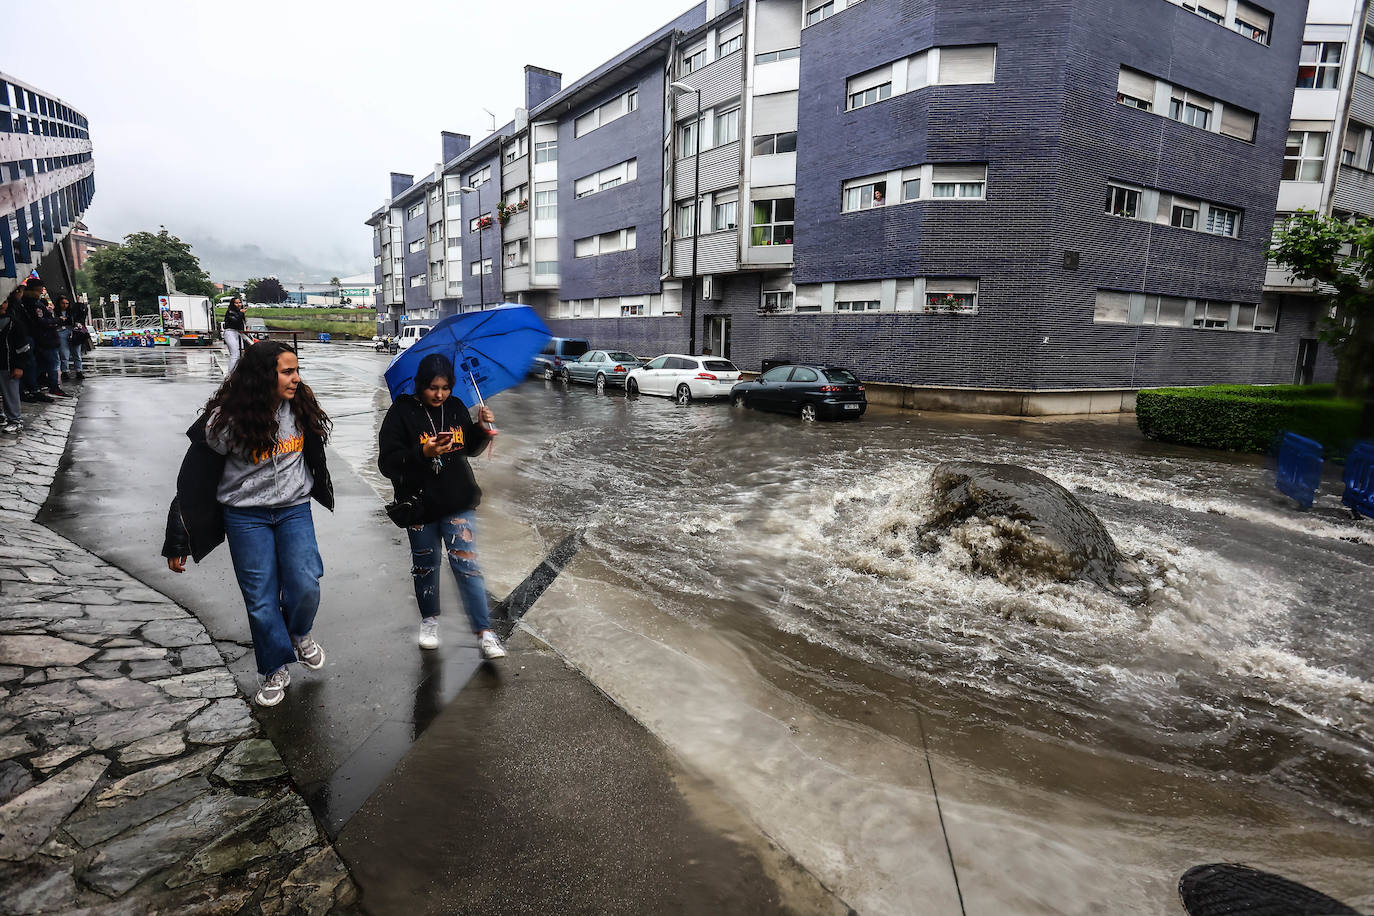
[457, 536]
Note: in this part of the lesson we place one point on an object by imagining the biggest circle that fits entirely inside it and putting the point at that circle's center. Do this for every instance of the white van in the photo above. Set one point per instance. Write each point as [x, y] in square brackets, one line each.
[411, 333]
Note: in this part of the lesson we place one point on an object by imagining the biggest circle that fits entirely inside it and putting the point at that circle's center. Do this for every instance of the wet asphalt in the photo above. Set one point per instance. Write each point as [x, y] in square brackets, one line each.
[450, 785]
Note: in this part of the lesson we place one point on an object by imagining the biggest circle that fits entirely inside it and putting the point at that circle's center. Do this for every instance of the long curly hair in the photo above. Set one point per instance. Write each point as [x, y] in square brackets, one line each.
[247, 403]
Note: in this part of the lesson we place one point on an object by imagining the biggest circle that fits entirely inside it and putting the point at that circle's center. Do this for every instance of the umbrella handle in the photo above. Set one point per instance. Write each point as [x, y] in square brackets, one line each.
[481, 403]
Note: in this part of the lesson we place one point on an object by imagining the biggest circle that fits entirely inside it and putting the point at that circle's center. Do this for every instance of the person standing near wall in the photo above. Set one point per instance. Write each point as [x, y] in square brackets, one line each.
[255, 462]
[235, 331]
[43, 332]
[14, 346]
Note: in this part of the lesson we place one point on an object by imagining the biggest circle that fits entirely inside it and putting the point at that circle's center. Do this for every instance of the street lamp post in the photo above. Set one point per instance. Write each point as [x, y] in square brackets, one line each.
[680, 87]
[481, 258]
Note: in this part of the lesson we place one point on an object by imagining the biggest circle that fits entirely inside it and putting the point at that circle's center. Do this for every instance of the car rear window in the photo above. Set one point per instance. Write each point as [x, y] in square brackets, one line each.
[718, 365]
[575, 348]
[840, 377]
[622, 357]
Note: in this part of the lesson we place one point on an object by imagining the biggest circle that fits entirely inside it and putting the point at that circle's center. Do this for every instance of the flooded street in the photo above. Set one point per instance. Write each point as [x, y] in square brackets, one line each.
[753, 590]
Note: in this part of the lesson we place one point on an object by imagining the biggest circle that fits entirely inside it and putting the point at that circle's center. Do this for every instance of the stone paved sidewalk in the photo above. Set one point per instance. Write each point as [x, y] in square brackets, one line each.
[133, 777]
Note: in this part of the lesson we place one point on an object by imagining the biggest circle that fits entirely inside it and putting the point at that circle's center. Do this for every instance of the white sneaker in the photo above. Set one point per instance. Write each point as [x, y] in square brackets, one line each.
[429, 632]
[12, 427]
[273, 689]
[491, 646]
[309, 652]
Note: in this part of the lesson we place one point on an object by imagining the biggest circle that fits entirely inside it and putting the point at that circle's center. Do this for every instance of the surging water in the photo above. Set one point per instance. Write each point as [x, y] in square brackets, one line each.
[1251, 653]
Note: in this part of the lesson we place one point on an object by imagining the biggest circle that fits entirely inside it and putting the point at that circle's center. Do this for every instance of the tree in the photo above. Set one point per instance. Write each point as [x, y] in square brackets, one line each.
[1338, 254]
[133, 270]
[264, 289]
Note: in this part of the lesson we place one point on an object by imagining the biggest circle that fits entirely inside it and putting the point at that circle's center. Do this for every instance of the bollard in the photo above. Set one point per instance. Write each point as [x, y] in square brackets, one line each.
[1299, 468]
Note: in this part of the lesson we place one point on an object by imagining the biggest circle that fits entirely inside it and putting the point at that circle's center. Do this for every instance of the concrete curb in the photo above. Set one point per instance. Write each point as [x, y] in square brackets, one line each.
[133, 777]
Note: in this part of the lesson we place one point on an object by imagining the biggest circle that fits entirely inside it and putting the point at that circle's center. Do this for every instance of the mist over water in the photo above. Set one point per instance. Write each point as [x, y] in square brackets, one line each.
[1250, 653]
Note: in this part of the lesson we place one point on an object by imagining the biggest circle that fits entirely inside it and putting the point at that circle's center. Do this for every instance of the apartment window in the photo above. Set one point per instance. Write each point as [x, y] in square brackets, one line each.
[436, 270]
[455, 241]
[911, 189]
[1319, 65]
[1358, 149]
[966, 182]
[604, 114]
[605, 243]
[606, 179]
[436, 233]
[434, 196]
[869, 88]
[686, 220]
[417, 280]
[725, 215]
[730, 45]
[964, 65]
[545, 204]
[1113, 307]
[1215, 10]
[1135, 90]
[858, 305]
[727, 126]
[773, 221]
[478, 223]
[945, 294]
[1367, 55]
[687, 139]
[1304, 155]
[513, 151]
[1238, 123]
[477, 268]
[415, 211]
[1183, 216]
[631, 309]
[1215, 315]
[454, 198]
[416, 245]
[1252, 22]
[546, 151]
[863, 194]
[513, 197]
[545, 268]
[479, 177]
[772, 144]
[1191, 108]
[693, 60]
[777, 300]
[516, 253]
[1221, 221]
[769, 57]
[824, 11]
[1123, 201]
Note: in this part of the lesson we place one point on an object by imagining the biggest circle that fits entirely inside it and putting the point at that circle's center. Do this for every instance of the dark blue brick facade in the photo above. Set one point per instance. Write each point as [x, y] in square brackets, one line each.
[417, 262]
[488, 245]
[637, 203]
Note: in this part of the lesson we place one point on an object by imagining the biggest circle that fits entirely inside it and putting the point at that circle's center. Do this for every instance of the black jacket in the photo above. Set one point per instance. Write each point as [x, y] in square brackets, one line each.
[233, 320]
[42, 326]
[401, 459]
[195, 522]
[14, 341]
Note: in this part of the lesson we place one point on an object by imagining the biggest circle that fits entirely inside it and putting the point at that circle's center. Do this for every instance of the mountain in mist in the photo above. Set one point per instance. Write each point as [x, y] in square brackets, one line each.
[225, 261]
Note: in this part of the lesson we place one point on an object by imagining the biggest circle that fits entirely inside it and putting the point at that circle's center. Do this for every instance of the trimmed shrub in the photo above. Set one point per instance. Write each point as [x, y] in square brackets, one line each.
[1247, 418]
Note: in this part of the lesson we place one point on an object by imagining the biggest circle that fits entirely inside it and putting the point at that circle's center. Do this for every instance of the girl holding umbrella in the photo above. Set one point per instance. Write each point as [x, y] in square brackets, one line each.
[424, 445]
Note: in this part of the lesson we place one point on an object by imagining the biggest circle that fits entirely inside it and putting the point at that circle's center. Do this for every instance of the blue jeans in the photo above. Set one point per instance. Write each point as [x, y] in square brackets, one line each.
[69, 351]
[49, 369]
[278, 565]
[457, 535]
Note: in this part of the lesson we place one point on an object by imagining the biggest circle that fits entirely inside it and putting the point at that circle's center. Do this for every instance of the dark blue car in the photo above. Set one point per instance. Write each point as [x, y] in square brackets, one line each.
[811, 392]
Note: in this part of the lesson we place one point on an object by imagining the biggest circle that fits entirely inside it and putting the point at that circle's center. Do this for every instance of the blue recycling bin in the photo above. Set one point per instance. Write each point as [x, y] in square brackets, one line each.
[1300, 468]
[1359, 479]
[324, 338]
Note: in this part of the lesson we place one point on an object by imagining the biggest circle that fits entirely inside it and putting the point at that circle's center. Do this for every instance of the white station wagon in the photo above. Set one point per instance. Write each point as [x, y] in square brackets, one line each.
[683, 378]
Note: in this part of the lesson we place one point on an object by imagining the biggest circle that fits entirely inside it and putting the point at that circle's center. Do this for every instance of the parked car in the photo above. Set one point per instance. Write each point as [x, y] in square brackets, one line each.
[813, 392]
[410, 334]
[558, 352]
[256, 328]
[682, 377]
[602, 368]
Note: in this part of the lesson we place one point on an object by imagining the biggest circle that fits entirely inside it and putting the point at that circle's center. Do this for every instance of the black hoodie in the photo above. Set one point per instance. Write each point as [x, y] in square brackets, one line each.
[407, 426]
[14, 341]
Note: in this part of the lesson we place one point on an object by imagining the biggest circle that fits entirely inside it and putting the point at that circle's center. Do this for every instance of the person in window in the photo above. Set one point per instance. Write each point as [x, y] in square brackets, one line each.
[423, 448]
[877, 197]
[256, 460]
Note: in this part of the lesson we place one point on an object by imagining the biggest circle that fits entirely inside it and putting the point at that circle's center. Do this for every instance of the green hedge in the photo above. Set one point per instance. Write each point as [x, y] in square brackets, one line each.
[1247, 418]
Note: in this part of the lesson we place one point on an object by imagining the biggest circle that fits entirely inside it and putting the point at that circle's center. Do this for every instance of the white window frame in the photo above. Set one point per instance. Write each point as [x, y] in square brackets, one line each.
[688, 139]
[963, 188]
[479, 177]
[416, 245]
[778, 301]
[480, 268]
[1301, 159]
[546, 151]
[622, 173]
[867, 193]
[414, 210]
[819, 13]
[418, 280]
[772, 226]
[771, 141]
[517, 149]
[730, 45]
[546, 204]
[951, 295]
[692, 59]
[473, 223]
[1322, 69]
[608, 111]
[684, 220]
[1124, 200]
[725, 126]
[594, 245]
[519, 257]
[858, 306]
[1223, 221]
[725, 216]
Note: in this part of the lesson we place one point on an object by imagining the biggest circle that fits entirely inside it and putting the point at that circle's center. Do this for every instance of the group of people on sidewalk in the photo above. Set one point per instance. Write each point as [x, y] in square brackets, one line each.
[256, 461]
[41, 346]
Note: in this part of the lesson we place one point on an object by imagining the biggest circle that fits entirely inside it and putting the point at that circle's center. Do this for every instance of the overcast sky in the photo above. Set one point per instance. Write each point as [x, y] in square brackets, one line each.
[275, 124]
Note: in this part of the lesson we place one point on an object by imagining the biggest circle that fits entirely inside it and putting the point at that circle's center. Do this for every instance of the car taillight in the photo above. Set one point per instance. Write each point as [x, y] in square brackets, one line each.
[706, 375]
[861, 387]
[830, 388]
[618, 369]
[557, 362]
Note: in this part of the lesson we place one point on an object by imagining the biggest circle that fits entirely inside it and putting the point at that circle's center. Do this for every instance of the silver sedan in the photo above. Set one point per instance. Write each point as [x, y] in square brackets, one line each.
[602, 368]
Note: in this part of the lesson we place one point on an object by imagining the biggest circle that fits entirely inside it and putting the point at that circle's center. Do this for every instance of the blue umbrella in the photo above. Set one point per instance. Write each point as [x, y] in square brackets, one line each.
[491, 351]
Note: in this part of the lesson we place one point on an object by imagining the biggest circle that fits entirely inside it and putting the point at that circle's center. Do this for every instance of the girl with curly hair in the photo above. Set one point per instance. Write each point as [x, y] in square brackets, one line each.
[256, 460]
